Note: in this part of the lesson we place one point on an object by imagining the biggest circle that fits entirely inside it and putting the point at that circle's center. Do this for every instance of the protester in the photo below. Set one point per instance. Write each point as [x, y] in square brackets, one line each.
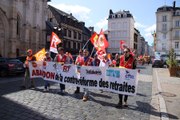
[106, 61]
[126, 61]
[96, 61]
[47, 59]
[62, 59]
[79, 62]
[87, 62]
[69, 58]
[28, 83]
[115, 61]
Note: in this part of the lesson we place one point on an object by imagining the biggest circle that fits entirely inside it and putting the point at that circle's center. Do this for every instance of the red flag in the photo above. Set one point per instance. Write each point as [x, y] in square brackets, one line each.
[122, 43]
[99, 42]
[94, 38]
[102, 40]
[54, 42]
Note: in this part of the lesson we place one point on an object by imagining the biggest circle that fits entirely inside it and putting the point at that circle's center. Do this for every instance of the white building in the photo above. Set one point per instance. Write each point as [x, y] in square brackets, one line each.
[120, 27]
[22, 26]
[168, 29]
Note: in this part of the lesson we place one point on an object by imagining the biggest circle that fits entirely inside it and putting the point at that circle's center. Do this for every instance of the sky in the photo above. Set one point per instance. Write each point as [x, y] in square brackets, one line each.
[95, 12]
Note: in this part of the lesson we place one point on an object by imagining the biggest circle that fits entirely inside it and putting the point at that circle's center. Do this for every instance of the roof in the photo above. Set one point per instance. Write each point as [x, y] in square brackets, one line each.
[62, 12]
[167, 8]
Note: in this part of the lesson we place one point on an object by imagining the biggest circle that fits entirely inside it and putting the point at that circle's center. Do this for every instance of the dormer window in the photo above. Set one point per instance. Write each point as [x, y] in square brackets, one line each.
[113, 16]
[177, 13]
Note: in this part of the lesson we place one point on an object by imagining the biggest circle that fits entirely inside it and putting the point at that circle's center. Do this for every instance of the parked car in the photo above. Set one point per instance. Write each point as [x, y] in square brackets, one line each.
[22, 58]
[10, 65]
[157, 63]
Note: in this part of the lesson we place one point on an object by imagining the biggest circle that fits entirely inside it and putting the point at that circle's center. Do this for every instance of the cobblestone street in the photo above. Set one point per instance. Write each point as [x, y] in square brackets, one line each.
[34, 104]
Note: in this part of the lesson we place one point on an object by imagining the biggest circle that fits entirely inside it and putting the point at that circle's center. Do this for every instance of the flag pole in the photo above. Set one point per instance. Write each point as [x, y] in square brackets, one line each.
[85, 44]
[92, 52]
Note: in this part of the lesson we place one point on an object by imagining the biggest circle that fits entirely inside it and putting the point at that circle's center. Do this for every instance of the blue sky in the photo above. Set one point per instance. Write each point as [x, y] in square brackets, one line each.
[95, 12]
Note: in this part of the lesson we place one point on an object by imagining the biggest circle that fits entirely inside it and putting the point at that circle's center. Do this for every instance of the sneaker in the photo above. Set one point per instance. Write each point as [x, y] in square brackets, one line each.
[45, 90]
[101, 91]
[76, 91]
[61, 92]
[85, 98]
[22, 87]
[125, 104]
[119, 105]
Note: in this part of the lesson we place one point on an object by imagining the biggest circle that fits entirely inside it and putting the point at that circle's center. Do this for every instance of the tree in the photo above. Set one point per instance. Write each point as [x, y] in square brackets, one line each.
[171, 62]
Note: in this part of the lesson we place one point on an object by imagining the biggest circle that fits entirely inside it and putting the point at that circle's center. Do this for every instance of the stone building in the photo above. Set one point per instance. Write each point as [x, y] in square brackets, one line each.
[120, 27]
[72, 32]
[22, 26]
[168, 29]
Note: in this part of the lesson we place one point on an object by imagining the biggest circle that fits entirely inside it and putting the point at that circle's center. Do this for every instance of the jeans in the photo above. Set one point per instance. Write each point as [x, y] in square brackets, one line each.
[121, 98]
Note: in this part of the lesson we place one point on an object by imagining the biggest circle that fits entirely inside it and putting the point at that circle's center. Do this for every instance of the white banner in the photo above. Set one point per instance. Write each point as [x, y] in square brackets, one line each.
[117, 80]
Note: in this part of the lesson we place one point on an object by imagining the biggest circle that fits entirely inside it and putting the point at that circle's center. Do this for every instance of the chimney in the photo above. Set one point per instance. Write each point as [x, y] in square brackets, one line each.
[174, 6]
[110, 12]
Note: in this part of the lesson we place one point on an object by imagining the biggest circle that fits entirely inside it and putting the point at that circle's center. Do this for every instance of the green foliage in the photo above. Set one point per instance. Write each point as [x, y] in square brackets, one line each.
[171, 62]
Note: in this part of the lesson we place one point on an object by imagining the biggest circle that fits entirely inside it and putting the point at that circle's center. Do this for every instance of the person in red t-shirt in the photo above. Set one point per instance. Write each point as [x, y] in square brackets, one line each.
[79, 62]
[62, 59]
[47, 59]
[27, 78]
[126, 61]
[87, 62]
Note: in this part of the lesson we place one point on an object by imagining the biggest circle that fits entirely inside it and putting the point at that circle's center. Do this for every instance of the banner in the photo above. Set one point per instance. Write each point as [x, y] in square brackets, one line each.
[40, 55]
[54, 42]
[117, 80]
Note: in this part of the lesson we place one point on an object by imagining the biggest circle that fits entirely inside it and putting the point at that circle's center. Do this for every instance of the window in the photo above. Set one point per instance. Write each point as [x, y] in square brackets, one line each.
[79, 36]
[177, 13]
[75, 34]
[164, 27]
[177, 34]
[79, 45]
[176, 45]
[18, 25]
[74, 45]
[69, 33]
[113, 25]
[113, 16]
[163, 46]
[177, 24]
[164, 18]
[69, 46]
[119, 15]
[65, 32]
[164, 36]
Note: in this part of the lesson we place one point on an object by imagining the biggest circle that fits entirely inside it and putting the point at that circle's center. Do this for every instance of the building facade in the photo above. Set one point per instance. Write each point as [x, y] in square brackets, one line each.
[168, 29]
[73, 33]
[120, 27]
[22, 26]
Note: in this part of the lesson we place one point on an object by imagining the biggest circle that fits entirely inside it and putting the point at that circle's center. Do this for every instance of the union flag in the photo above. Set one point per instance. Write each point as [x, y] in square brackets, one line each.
[40, 55]
[122, 44]
[99, 41]
[54, 42]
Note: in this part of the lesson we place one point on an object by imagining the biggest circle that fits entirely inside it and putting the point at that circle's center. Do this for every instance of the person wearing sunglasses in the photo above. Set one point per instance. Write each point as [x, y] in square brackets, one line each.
[126, 61]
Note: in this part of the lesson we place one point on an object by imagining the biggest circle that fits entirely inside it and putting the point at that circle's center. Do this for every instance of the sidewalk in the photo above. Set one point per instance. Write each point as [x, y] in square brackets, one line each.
[168, 89]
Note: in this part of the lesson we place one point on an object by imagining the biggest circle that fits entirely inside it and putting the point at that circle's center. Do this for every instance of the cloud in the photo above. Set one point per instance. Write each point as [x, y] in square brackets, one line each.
[150, 28]
[102, 24]
[147, 33]
[139, 25]
[79, 12]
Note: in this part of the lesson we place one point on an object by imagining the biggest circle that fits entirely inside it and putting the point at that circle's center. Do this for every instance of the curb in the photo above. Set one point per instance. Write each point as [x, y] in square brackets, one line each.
[162, 104]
